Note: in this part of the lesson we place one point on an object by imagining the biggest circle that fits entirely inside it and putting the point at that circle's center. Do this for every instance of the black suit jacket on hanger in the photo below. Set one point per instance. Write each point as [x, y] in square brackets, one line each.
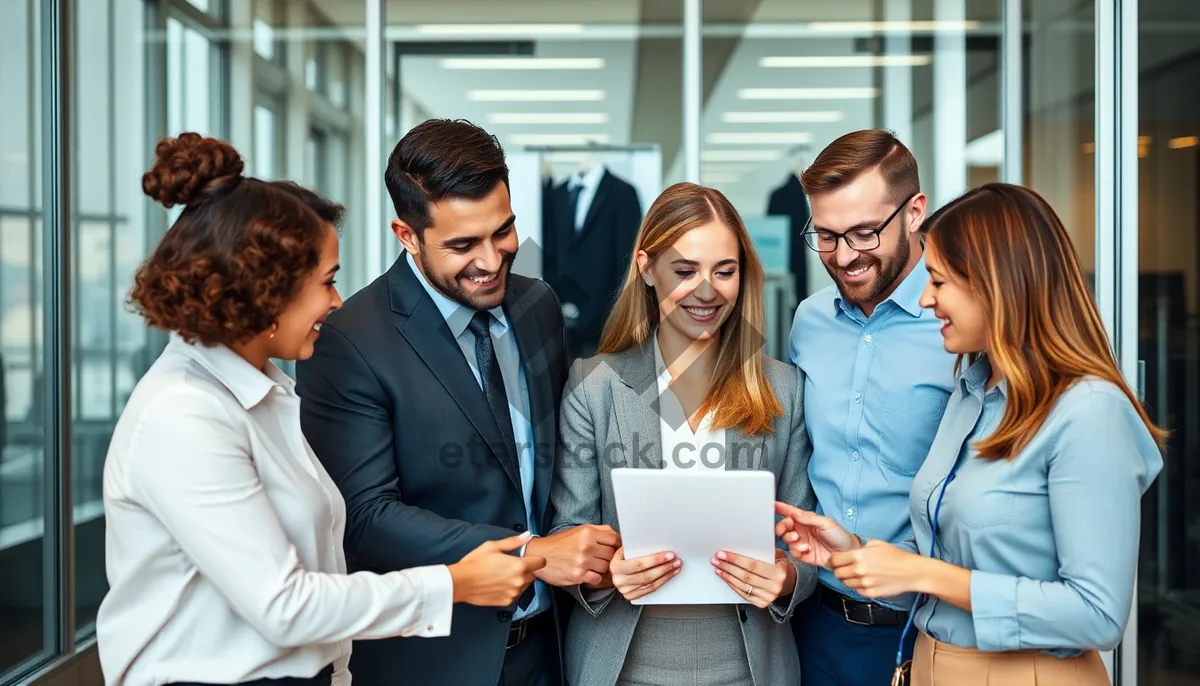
[789, 201]
[587, 266]
[392, 410]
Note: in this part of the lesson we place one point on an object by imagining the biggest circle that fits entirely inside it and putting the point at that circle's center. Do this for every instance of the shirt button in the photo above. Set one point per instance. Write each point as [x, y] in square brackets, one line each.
[857, 398]
[854, 456]
[429, 628]
[867, 339]
[850, 512]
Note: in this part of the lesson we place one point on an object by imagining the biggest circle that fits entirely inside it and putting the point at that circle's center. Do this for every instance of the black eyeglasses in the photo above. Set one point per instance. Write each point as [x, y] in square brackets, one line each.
[856, 239]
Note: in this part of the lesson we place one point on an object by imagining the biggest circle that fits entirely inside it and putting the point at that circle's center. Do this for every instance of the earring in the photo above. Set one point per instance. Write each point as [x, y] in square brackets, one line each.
[274, 328]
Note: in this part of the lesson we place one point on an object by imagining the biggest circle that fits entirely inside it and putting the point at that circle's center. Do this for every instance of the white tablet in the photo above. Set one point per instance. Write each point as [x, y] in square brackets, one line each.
[694, 514]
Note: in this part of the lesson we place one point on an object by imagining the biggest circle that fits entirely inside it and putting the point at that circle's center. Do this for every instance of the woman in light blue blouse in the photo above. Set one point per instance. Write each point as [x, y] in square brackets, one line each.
[1032, 487]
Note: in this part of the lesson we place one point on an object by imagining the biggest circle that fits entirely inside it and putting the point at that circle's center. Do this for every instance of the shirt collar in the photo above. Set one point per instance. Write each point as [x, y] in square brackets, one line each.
[457, 315]
[907, 295]
[589, 180]
[249, 385]
[975, 377]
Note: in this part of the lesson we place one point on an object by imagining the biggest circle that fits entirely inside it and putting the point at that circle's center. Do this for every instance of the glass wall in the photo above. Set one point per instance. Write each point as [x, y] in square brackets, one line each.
[27, 623]
[1168, 197]
[573, 90]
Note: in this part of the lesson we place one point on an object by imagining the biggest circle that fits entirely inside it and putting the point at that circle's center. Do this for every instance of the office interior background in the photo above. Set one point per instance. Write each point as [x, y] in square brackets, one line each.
[1087, 101]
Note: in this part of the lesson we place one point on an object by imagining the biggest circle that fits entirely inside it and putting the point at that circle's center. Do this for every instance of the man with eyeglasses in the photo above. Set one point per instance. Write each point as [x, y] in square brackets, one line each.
[877, 382]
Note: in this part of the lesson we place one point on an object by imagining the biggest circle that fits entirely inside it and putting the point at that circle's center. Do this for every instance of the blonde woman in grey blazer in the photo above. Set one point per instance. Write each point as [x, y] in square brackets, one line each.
[681, 382]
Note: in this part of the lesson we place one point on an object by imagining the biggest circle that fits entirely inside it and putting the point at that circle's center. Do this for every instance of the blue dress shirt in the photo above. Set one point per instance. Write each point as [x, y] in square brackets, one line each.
[1050, 534]
[874, 392]
[515, 387]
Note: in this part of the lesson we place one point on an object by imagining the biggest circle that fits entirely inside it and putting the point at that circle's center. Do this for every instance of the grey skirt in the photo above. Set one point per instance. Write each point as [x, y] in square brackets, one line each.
[707, 651]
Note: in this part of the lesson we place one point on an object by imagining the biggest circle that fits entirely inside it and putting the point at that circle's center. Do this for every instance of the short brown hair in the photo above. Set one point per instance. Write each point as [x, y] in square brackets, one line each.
[238, 253]
[438, 159]
[858, 152]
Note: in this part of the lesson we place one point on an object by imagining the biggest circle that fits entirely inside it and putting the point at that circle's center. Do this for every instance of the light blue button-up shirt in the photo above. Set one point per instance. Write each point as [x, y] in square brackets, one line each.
[874, 392]
[515, 387]
[1051, 534]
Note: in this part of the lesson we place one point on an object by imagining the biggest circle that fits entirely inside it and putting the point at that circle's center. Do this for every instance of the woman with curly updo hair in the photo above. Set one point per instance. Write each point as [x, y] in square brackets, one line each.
[224, 532]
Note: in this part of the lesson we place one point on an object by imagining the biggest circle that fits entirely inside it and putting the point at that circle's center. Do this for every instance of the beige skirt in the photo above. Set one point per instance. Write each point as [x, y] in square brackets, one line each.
[941, 664]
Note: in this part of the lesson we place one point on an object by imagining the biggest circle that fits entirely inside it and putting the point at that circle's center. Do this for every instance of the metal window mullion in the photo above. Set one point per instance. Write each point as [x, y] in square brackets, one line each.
[1126, 34]
[373, 136]
[113, 290]
[1105, 161]
[57, 196]
[1012, 83]
[691, 90]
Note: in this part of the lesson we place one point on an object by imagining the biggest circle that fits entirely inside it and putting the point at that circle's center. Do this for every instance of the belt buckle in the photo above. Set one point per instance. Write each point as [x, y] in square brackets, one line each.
[870, 613]
[518, 628]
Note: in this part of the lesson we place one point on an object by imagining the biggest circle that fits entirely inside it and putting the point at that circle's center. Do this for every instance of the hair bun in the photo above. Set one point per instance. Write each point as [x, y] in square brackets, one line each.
[186, 168]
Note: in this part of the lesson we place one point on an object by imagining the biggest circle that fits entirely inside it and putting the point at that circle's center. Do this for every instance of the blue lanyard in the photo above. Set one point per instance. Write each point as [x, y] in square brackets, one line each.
[937, 512]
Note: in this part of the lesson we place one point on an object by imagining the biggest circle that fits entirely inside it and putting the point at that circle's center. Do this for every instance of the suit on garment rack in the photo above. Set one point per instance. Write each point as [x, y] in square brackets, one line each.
[393, 410]
[586, 259]
[789, 201]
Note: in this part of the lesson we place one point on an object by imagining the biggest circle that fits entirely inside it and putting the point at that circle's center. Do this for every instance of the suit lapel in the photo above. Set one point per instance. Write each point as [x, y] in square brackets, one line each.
[744, 452]
[635, 402]
[531, 345]
[427, 332]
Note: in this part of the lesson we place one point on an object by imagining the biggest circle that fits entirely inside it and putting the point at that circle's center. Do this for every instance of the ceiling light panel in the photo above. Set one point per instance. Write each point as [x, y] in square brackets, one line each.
[499, 29]
[522, 63]
[548, 118]
[808, 93]
[759, 137]
[559, 138]
[536, 95]
[782, 117]
[892, 26]
[738, 155]
[815, 61]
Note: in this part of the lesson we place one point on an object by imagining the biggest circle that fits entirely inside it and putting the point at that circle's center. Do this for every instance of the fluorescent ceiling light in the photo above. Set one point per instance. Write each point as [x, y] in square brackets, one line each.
[738, 155]
[536, 95]
[548, 117]
[799, 61]
[893, 26]
[558, 138]
[760, 137]
[986, 151]
[498, 29]
[807, 93]
[720, 177]
[515, 63]
[1184, 142]
[781, 117]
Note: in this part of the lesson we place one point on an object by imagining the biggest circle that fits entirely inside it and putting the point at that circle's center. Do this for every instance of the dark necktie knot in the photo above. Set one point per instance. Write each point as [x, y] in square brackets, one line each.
[480, 324]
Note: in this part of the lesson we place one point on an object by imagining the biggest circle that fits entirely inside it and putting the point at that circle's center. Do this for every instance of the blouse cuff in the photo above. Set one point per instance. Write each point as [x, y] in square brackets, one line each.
[437, 605]
[994, 611]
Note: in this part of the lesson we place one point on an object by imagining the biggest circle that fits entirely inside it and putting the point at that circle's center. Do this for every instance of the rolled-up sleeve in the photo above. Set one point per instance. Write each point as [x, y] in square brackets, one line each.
[1102, 460]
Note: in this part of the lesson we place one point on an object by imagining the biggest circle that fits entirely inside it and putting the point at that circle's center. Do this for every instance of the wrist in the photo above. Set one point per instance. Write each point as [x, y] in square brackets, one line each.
[923, 571]
[457, 577]
[531, 546]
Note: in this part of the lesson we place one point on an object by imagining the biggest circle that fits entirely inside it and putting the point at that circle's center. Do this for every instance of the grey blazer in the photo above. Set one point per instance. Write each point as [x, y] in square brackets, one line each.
[610, 419]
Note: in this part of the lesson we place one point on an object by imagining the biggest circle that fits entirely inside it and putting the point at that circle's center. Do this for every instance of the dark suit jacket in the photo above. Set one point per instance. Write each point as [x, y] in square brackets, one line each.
[586, 268]
[393, 411]
[789, 201]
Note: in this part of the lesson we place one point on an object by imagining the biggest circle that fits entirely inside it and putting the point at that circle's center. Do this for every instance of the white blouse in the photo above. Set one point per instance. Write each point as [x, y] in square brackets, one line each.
[224, 537]
[683, 448]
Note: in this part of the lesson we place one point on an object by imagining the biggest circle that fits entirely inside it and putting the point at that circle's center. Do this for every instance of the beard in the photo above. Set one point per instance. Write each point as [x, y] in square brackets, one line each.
[453, 288]
[887, 271]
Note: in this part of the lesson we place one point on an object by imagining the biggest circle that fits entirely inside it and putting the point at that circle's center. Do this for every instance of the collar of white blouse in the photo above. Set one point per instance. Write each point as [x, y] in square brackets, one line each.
[683, 448]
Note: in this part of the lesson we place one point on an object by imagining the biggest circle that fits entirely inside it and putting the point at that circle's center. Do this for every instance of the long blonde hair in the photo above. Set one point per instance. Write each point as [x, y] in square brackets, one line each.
[1010, 247]
[739, 392]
